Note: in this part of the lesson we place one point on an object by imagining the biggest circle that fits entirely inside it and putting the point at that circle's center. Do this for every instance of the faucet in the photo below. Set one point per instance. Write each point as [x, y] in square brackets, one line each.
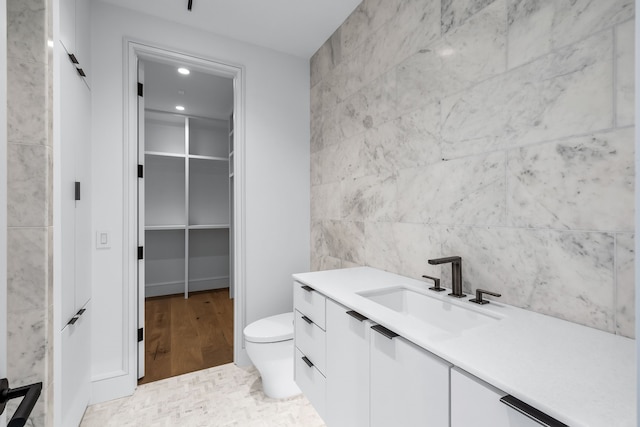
[456, 273]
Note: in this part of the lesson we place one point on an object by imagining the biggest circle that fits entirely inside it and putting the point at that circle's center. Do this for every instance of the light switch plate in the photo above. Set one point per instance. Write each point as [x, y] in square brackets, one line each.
[103, 240]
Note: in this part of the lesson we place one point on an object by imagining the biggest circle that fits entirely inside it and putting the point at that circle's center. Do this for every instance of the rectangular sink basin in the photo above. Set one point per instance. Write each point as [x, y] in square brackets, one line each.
[444, 315]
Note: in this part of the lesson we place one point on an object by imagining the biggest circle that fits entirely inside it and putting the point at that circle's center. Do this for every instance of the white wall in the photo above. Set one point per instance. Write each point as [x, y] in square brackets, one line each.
[277, 176]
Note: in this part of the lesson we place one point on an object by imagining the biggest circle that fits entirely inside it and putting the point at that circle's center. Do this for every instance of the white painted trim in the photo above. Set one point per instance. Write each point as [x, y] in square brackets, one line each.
[3, 197]
[122, 385]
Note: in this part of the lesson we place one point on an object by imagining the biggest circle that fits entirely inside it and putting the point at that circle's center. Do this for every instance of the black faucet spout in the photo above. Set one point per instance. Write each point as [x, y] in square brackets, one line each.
[456, 273]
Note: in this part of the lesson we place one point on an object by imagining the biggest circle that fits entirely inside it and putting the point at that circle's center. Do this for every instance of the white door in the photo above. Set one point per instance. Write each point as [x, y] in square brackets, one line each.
[409, 386]
[141, 266]
[347, 367]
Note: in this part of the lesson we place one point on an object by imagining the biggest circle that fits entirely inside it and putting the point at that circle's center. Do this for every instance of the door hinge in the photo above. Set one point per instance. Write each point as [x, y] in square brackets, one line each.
[140, 171]
[140, 89]
[140, 334]
[140, 252]
[77, 190]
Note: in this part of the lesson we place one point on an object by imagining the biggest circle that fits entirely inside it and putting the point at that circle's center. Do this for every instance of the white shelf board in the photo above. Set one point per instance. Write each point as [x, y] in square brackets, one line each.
[164, 227]
[163, 154]
[217, 159]
[208, 226]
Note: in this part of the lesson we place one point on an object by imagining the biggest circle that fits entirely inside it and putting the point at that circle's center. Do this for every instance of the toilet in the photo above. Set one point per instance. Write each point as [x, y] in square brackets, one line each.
[269, 343]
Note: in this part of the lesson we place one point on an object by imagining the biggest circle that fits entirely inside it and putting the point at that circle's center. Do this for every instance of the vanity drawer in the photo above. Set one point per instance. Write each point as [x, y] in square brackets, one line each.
[312, 383]
[312, 341]
[310, 303]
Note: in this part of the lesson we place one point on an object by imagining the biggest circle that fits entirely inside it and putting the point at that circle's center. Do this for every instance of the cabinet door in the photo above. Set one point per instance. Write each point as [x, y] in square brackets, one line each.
[83, 37]
[83, 234]
[76, 369]
[68, 25]
[476, 403]
[409, 386]
[347, 367]
[70, 135]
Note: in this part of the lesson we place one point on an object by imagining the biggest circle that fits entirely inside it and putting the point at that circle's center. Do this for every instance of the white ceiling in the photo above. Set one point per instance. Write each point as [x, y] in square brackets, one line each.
[205, 95]
[297, 27]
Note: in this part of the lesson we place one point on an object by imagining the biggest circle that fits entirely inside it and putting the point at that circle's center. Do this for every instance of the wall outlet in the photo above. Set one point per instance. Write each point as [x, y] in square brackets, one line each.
[103, 240]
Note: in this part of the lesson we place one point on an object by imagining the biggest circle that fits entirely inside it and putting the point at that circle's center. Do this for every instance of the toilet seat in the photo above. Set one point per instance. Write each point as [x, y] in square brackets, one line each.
[270, 329]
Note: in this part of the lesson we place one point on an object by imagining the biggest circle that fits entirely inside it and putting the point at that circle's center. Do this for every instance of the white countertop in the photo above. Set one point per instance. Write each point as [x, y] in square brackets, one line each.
[576, 374]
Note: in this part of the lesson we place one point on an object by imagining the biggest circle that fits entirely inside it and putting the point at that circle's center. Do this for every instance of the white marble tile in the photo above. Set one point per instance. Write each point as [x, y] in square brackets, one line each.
[567, 92]
[584, 183]
[26, 346]
[325, 201]
[344, 160]
[28, 185]
[402, 248]
[468, 191]
[564, 274]
[326, 58]
[27, 270]
[370, 198]
[318, 247]
[26, 88]
[457, 12]
[344, 240]
[536, 27]
[26, 39]
[326, 263]
[369, 107]
[365, 20]
[222, 396]
[409, 141]
[472, 52]
[625, 77]
[625, 285]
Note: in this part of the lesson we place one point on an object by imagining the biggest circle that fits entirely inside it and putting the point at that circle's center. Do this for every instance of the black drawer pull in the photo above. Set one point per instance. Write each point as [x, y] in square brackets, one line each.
[384, 331]
[306, 319]
[356, 315]
[307, 288]
[81, 312]
[73, 320]
[306, 360]
[531, 412]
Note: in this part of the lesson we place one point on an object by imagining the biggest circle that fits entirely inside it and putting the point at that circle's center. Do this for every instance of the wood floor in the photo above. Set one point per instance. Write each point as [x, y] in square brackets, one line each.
[186, 335]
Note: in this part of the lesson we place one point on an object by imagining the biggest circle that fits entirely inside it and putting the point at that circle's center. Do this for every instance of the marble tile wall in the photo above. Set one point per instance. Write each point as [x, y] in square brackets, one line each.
[498, 130]
[29, 157]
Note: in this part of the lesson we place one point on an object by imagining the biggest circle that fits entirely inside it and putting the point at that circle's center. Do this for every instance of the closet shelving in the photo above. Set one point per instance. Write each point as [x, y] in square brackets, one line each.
[186, 204]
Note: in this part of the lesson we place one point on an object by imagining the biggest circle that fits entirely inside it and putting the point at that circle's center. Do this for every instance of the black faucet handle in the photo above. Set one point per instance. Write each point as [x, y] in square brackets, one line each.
[478, 299]
[444, 260]
[436, 283]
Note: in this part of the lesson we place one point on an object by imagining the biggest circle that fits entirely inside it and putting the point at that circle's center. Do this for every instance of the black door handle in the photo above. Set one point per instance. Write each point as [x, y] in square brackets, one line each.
[531, 412]
[356, 315]
[384, 331]
[307, 288]
[306, 319]
[30, 392]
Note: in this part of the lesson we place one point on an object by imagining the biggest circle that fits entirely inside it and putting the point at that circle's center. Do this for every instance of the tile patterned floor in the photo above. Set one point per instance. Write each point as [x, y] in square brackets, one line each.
[221, 396]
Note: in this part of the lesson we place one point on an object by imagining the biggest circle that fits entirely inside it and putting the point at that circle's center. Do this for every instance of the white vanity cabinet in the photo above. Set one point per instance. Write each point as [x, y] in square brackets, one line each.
[309, 367]
[348, 335]
[476, 403]
[409, 385]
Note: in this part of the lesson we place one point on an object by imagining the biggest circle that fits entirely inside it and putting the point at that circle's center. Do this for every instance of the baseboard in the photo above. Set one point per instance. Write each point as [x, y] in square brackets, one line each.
[172, 288]
[115, 387]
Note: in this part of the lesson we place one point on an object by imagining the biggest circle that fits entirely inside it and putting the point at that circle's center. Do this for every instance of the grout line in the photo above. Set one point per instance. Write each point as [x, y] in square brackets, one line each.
[536, 143]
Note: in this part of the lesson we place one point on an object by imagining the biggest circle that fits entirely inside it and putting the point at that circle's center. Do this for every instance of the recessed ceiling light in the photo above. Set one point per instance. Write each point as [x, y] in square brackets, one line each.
[184, 71]
[179, 108]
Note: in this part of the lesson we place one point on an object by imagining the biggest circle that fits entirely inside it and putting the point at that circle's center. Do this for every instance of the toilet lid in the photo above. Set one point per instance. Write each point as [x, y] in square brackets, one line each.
[270, 329]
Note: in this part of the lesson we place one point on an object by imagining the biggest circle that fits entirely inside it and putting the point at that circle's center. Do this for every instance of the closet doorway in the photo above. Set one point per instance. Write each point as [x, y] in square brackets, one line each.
[186, 286]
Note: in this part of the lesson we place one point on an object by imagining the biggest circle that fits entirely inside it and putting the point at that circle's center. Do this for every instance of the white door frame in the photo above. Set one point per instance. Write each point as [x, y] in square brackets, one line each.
[133, 51]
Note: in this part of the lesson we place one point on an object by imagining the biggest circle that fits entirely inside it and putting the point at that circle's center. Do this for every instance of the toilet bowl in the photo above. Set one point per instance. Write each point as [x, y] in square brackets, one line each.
[269, 344]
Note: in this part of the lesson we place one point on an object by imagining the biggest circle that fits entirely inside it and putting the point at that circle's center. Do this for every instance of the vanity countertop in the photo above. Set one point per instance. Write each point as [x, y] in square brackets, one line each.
[579, 375]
